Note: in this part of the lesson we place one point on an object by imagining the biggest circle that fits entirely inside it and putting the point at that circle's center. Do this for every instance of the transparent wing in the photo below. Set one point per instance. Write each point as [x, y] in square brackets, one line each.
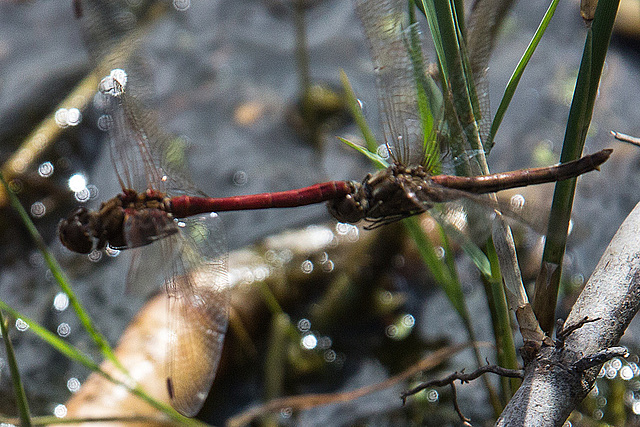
[482, 28]
[142, 154]
[198, 310]
[400, 78]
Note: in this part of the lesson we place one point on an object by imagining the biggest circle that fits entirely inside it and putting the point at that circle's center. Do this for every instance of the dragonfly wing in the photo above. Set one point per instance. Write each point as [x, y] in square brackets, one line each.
[383, 23]
[143, 155]
[400, 78]
[198, 310]
[482, 28]
[128, 141]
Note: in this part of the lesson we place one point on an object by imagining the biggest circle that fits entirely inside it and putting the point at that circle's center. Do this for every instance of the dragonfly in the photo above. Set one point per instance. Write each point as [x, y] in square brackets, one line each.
[160, 207]
[408, 187]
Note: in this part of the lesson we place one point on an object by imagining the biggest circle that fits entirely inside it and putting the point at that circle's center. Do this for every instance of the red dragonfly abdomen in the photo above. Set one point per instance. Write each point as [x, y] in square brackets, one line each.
[184, 206]
[521, 178]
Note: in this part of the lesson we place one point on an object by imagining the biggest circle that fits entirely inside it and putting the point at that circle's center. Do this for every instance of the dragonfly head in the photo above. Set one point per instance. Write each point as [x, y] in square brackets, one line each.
[75, 232]
[350, 208]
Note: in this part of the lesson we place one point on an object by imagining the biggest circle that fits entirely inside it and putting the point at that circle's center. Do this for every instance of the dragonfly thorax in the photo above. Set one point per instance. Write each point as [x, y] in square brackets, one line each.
[386, 196]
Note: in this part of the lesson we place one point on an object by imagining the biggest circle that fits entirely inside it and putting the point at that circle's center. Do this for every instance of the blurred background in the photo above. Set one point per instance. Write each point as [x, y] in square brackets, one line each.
[223, 77]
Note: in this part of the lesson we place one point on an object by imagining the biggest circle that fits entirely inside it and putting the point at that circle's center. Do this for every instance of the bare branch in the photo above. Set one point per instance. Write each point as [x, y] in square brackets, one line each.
[464, 378]
[466, 421]
[564, 331]
[599, 358]
[561, 376]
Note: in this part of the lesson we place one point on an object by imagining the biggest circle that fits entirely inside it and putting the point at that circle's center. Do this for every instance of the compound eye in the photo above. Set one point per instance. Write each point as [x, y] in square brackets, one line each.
[75, 232]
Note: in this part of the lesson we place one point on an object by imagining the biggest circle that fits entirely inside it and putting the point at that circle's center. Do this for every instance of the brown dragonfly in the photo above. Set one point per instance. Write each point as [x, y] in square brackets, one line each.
[161, 208]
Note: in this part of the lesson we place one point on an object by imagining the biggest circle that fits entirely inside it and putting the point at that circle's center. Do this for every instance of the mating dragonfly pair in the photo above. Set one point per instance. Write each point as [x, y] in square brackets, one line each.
[158, 207]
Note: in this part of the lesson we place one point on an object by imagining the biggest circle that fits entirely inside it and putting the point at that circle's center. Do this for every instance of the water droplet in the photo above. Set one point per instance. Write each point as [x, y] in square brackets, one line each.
[517, 202]
[74, 117]
[93, 191]
[77, 182]
[73, 384]
[105, 122]
[329, 356]
[343, 228]
[324, 343]
[61, 301]
[408, 320]
[433, 396]
[307, 266]
[36, 259]
[181, 5]
[60, 411]
[21, 325]
[82, 195]
[626, 373]
[16, 185]
[383, 151]
[309, 341]
[95, 255]
[304, 325]
[286, 413]
[45, 170]
[260, 273]
[64, 329]
[328, 266]
[60, 117]
[38, 209]
[616, 363]
[391, 331]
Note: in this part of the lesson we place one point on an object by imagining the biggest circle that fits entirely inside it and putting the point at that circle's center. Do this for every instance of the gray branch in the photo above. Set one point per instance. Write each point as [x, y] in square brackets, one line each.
[560, 376]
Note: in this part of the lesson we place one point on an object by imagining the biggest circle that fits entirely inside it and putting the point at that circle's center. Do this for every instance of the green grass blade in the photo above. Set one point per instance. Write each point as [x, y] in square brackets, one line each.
[356, 112]
[458, 78]
[472, 250]
[378, 161]
[52, 339]
[519, 70]
[595, 50]
[501, 322]
[18, 389]
[428, 8]
[446, 278]
[56, 270]
[428, 100]
[78, 356]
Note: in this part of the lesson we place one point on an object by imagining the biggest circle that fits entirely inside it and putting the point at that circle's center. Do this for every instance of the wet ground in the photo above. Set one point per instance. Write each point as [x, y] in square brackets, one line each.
[216, 61]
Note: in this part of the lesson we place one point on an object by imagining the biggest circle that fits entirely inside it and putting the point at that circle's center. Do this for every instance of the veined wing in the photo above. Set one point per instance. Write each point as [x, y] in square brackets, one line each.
[140, 150]
[114, 32]
[403, 86]
[198, 309]
[129, 141]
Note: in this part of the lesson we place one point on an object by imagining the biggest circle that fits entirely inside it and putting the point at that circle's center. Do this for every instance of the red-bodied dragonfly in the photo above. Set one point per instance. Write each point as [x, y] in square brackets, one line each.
[191, 251]
[157, 208]
[410, 185]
